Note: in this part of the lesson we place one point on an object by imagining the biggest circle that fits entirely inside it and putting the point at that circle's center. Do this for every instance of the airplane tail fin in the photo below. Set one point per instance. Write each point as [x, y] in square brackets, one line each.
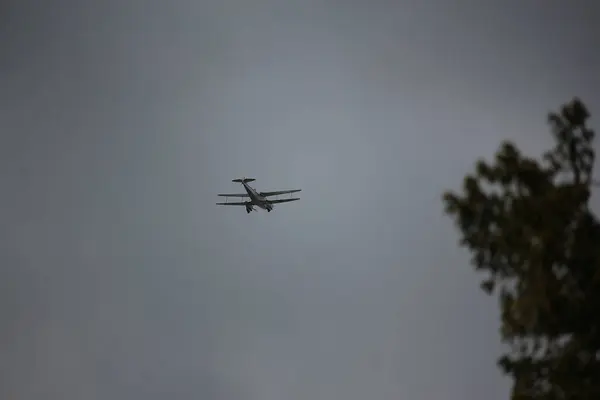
[243, 180]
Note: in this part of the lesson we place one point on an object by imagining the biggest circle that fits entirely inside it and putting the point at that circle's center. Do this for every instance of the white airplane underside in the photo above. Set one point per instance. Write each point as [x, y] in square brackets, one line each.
[258, 199]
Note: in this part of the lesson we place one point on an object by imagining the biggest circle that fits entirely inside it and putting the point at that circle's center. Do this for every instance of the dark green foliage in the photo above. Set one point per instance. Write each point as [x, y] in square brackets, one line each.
[528, 227]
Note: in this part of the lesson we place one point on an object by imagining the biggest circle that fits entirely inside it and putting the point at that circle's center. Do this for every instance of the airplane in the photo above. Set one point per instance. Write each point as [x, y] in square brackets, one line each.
[255, 198]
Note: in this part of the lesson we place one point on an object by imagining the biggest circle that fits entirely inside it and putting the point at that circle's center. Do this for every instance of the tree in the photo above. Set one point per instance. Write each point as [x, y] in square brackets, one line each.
[527, 225]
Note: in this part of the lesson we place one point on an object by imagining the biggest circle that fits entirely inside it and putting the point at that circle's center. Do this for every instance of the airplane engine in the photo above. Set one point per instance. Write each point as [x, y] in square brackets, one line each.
[248, 207]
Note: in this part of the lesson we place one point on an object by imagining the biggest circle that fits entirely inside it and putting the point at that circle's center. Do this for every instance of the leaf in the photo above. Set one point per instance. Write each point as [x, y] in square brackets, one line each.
[488, 286]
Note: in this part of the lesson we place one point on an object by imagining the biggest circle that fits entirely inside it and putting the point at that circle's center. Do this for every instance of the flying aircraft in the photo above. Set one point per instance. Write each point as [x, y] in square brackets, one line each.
[255, 198]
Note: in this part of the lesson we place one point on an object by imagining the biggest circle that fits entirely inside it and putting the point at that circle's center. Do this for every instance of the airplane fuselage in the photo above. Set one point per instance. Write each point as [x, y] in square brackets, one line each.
[257, 199]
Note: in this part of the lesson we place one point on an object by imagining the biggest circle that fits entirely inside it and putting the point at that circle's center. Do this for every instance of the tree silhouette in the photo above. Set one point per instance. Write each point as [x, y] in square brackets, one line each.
[527, 224]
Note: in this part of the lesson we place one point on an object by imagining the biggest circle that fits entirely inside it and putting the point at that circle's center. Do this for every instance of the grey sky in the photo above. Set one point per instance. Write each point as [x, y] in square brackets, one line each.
[121, 120]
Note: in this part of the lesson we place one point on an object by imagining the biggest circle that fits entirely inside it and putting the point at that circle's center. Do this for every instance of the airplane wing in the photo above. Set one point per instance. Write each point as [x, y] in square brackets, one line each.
[266, 194]
[233, 195]
[232, 204]
[283, 200]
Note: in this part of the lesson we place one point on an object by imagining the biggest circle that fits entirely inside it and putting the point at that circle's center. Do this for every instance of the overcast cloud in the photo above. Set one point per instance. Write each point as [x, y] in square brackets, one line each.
[120, 121]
